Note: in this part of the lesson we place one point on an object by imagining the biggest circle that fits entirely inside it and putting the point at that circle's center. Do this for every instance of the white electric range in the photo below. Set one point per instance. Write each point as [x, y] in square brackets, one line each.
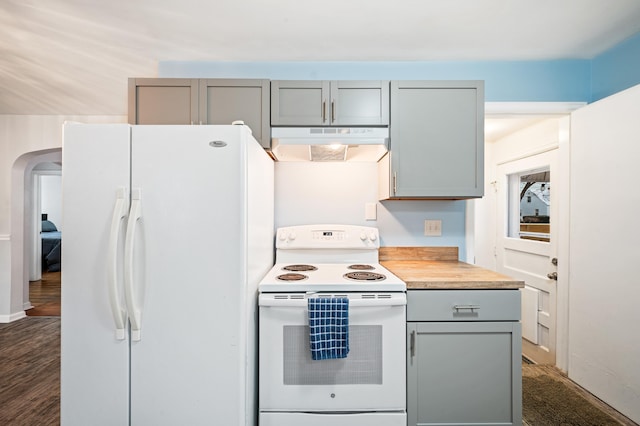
[329, 258]
[368, 386]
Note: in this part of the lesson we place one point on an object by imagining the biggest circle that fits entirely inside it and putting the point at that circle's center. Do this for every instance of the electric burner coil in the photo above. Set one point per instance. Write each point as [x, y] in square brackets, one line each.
[292, 277]
[364, 276]
[300, 268]
[360, 267]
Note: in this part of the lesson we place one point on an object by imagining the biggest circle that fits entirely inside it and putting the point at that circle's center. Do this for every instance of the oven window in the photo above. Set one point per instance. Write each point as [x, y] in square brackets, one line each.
[362, 366]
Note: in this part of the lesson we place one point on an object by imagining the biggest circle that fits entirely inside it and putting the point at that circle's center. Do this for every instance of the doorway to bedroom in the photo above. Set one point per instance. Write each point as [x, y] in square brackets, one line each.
[45, 260]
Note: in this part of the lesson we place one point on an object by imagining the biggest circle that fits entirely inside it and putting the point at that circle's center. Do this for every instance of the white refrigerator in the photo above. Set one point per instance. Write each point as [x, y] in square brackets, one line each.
[168, 230]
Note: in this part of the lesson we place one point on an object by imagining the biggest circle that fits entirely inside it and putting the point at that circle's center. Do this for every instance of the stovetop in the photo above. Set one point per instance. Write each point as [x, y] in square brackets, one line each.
[328, 258]
[331, 277]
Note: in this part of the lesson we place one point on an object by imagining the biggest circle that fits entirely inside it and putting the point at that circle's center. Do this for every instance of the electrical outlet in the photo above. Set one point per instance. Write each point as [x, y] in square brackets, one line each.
[433, 228]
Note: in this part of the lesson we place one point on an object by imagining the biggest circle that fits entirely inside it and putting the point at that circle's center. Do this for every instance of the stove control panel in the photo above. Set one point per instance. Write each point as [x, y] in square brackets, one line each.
[327, 236]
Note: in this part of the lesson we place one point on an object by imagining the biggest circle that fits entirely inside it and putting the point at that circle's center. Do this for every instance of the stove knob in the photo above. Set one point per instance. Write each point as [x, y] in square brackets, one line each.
[363, 236]
[373, 236]
[292, 236]
[282, 236]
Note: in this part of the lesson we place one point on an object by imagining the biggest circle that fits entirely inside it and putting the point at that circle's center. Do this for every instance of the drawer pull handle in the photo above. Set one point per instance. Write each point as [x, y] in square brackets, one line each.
[472, 308]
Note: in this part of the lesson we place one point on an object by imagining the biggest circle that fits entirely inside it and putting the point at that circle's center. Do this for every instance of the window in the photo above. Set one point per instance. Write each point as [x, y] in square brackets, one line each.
[529, 205]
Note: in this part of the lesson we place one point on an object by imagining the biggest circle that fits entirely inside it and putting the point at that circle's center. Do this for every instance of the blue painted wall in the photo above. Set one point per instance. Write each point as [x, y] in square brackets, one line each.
[616, 69]
[569, 80]
[535, 81]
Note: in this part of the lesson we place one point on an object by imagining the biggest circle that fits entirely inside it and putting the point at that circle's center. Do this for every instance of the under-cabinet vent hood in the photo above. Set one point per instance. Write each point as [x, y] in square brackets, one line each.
[329, 143]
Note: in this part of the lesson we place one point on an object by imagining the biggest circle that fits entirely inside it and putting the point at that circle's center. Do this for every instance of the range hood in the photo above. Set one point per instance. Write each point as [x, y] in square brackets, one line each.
[329, 143]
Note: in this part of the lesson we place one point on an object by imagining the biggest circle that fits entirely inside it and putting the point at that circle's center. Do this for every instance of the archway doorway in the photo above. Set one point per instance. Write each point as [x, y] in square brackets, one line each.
[25, 223]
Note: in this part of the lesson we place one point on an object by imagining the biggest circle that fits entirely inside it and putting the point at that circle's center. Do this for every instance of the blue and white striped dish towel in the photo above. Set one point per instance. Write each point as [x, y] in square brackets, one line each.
[328, 327]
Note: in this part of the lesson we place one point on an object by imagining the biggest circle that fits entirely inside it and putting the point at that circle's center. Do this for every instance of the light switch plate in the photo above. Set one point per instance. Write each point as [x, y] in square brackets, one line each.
[433, 228]
[370, 212]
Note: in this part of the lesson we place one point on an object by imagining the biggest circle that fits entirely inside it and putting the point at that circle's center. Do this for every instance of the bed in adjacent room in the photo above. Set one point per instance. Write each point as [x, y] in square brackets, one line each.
[51, 246]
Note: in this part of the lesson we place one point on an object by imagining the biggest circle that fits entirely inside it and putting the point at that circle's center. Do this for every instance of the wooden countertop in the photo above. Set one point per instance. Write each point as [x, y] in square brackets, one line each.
[438, 268]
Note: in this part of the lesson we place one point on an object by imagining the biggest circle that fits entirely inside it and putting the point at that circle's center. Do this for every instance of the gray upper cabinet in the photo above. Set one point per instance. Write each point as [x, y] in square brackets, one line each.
[225, 101]
[437, 141]
[201, 101]
[163, 101]
[329, 103]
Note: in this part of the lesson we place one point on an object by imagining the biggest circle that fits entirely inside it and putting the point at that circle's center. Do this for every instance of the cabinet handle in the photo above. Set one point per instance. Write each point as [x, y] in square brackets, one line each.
[395, 183]
[324, 111]
[412, 344]
[471, 308]
[333, 112]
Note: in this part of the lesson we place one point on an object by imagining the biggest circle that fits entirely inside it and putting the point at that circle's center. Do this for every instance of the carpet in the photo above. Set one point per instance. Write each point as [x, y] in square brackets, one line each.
[546, 401]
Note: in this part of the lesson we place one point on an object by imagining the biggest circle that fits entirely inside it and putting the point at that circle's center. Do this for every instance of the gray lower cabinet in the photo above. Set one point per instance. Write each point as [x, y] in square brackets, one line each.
[329, 103]
[437, 141]
[463, 361]
[201, 101]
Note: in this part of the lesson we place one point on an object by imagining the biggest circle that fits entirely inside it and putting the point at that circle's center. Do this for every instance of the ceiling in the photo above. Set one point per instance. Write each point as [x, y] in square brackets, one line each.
[74, 56]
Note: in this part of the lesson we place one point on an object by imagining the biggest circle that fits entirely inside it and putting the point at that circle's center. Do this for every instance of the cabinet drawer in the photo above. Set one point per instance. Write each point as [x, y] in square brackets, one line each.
[463, 305]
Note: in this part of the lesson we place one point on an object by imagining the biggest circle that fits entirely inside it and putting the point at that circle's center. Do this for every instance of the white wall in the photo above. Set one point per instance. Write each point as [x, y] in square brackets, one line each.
[308, 192]
[51, 198]
[604, 341]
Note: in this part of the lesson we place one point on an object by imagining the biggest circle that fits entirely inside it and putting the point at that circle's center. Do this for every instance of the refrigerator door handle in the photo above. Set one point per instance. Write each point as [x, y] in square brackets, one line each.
[135, 314]
[119, 213]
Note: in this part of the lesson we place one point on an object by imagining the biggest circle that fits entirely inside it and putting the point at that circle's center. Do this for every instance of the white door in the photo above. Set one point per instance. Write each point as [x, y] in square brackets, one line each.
[527, 221]
[187, 367]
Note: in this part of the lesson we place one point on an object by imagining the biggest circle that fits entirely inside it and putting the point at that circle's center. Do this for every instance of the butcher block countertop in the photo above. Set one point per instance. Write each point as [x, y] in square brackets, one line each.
[429, 268]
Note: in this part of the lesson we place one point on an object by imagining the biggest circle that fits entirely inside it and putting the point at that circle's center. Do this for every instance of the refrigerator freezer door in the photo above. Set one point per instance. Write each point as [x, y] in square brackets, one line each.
[189, 275]
[95, 363]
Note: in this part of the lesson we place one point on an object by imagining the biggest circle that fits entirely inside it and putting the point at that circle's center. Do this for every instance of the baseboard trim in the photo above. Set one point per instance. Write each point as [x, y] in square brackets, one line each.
[12, 317]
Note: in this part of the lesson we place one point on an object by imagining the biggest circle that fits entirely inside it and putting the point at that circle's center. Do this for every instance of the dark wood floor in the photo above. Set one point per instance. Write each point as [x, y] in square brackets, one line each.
[45, 295]
[30, 372]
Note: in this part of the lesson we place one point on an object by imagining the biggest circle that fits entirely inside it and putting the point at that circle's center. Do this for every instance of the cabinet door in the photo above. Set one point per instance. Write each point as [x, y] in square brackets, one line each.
[225, 101]
[437, 139]
[300, 103]
[464, 373]
[359, 103]
[163, 101]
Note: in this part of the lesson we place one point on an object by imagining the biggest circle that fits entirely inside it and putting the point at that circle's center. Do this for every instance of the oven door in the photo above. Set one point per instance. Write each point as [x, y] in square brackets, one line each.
[371, 378]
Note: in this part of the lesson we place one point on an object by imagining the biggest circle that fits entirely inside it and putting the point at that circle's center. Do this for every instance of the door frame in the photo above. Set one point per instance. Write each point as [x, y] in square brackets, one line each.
[35, 258]
[478, 210]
